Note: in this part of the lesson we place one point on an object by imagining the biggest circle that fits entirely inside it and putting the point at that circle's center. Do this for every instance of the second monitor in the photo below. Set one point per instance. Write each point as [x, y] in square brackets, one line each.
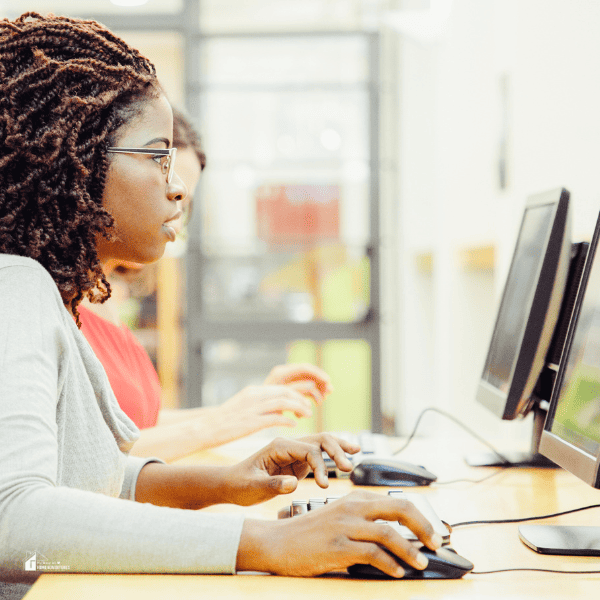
[541, 271]
[571, 435]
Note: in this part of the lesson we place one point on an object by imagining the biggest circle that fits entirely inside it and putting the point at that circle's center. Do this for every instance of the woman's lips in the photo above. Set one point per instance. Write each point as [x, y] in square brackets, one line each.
[169, 231]
[172, 227]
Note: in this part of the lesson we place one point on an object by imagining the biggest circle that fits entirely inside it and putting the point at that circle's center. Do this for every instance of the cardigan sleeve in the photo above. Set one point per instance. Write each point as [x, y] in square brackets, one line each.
[70, 529]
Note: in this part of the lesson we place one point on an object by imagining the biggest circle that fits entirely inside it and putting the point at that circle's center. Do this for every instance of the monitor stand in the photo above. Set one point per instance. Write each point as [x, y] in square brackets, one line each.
[518, 459]
[560, 539]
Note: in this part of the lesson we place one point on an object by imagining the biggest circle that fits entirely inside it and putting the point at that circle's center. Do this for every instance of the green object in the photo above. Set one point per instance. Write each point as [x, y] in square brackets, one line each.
[348, 363]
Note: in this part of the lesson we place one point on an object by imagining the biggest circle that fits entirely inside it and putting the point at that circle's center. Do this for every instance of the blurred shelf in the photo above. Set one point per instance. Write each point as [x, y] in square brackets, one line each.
[245, 331]
[481, 258]
[469, 259]
[424, 262]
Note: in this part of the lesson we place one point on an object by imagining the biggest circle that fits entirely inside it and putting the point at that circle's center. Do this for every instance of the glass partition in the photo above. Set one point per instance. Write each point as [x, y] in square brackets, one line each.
[284, 243]
[81, 8]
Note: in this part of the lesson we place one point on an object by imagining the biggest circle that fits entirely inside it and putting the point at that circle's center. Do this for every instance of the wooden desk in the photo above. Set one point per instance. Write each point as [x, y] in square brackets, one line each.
[513, 493]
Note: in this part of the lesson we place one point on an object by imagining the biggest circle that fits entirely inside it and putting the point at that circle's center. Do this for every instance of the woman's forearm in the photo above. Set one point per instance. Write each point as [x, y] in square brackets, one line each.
[191, 487]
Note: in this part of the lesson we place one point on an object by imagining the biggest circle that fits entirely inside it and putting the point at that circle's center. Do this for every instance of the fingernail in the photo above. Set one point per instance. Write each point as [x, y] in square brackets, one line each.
[436, 540]
[422, 561]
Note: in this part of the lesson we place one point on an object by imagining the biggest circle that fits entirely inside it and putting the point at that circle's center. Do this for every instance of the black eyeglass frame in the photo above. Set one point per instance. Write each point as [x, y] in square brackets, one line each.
[167, 166]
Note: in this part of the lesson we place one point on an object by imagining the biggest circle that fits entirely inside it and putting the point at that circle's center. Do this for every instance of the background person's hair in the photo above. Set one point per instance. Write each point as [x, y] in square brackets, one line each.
[185, 136]
[66, 87]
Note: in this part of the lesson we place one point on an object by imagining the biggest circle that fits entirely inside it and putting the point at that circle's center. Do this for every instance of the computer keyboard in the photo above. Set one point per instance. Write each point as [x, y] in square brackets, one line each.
[299, 507]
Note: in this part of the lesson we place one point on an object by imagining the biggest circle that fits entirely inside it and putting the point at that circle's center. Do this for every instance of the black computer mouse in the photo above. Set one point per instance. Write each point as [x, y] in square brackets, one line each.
[390, 472]
[444, 563]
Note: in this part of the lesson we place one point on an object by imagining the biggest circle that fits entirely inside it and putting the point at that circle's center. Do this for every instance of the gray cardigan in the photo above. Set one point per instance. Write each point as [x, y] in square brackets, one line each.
[66, 480]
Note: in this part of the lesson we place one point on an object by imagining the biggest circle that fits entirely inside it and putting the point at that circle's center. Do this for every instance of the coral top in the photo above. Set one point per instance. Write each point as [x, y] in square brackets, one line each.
[130, 371]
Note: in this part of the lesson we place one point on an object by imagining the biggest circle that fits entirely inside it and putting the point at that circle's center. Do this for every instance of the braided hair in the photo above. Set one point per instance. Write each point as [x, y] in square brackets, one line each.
[66, 87]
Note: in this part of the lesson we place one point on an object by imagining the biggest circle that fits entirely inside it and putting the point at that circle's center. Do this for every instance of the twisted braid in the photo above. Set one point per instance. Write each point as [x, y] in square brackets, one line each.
[66, 87]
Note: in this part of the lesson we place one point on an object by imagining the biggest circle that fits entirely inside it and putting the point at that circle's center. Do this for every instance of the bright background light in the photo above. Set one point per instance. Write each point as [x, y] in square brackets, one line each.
[129, 2]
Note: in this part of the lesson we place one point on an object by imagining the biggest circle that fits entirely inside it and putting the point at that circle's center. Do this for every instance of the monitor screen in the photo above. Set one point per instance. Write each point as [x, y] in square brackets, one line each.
[530, 306]
[518, 296]
[571, 436]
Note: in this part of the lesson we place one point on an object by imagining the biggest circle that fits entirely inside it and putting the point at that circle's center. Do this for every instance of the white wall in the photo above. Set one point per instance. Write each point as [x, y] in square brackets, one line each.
[548, 51]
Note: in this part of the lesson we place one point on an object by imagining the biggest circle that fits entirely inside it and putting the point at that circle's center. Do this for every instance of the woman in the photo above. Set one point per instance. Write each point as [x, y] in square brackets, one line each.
[86, 178]
[171, 434]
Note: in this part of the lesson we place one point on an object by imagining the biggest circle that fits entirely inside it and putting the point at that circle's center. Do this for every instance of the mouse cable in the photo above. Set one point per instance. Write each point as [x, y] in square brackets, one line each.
[537, 570]
[461, 424]
[523, 519]
[466, 480]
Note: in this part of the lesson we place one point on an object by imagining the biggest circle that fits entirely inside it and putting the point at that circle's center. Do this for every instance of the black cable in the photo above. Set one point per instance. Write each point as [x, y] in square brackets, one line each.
[465, 480]
[538, 570]
[522, 520]
[455, 420]
[499, 521]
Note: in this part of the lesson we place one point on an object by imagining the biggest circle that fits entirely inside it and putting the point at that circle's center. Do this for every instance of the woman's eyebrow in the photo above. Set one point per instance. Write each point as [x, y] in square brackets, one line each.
[165, 141]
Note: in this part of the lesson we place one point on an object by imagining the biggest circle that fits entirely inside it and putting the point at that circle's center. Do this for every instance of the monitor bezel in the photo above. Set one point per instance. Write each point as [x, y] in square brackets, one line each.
[542, 318]
[563, 453]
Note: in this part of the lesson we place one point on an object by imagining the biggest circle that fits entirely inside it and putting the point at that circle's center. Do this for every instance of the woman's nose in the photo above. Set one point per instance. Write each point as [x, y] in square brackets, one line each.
[176, 190]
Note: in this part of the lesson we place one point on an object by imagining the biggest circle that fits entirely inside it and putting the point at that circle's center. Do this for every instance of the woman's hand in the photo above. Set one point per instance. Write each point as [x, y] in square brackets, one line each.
[277, 468]
[336, 536]
[288, 389]
[257, 407]
[303, 377]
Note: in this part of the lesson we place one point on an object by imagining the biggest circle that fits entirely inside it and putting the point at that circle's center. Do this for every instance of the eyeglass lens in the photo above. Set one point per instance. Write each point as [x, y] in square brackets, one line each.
[169, 165]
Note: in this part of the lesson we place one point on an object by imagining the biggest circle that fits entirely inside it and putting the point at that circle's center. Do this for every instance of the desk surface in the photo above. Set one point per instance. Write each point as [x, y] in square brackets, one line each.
[511, 494]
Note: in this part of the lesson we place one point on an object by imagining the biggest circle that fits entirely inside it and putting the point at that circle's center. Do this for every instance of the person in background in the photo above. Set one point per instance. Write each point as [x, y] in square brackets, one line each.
[87, 179]
[171, 434]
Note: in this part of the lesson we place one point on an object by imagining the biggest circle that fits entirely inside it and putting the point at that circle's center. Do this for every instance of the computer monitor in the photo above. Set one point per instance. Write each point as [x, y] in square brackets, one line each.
[571, 434]
[527, 318]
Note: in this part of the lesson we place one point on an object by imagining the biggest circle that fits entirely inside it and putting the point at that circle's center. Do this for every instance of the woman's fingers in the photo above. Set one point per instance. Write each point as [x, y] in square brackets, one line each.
[328, 438]
[284, 374]
[373, 554]
[404, 512]
[308, 388]
[278, 398]
[298, 455]
[386, 547]
[337, 449]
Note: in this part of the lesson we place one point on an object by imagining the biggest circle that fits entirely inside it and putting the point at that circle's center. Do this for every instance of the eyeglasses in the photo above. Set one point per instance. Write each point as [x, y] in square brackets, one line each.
[165, 157]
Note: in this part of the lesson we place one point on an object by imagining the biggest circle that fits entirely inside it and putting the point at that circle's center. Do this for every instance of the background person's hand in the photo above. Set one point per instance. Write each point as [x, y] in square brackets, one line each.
[336, 536]
[287, 388]
[277, 468]
[303, 377]
[257, 407]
